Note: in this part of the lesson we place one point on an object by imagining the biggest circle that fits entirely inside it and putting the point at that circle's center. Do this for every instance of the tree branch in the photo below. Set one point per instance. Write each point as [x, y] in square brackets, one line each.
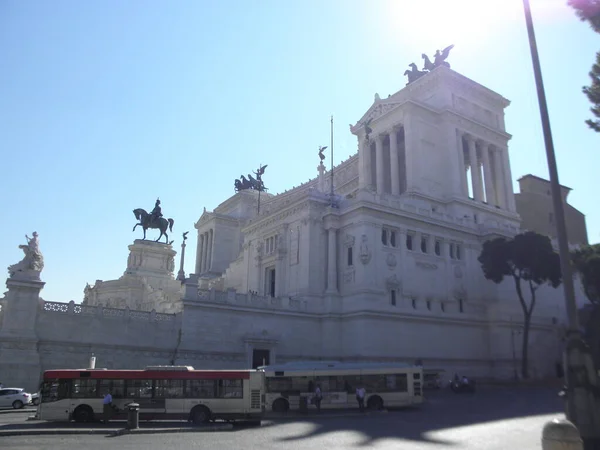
[532, 289]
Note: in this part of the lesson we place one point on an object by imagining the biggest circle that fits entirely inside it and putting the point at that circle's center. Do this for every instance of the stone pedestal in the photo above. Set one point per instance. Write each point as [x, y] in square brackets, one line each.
[19, 357]
[148, 282]
[151, 259]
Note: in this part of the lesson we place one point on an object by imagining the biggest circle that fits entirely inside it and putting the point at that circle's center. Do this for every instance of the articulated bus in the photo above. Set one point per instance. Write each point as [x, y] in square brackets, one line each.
[163, 392]
[291, 386]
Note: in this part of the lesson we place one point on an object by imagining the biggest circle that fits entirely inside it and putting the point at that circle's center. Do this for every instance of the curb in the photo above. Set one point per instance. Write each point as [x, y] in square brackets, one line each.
[323, 416]
[12, 411]
[112, 432]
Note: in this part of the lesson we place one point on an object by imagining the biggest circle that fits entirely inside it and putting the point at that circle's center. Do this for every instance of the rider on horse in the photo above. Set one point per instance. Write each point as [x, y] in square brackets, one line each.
[156, 213]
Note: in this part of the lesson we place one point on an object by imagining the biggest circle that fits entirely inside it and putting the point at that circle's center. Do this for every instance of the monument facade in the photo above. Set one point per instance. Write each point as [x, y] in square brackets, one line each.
[384, 270]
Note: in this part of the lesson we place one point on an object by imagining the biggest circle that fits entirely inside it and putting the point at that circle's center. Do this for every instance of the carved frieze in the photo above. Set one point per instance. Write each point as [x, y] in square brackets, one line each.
[391, 261]
[426, 265]
[349, 240]
[348, 276]
[365, 252]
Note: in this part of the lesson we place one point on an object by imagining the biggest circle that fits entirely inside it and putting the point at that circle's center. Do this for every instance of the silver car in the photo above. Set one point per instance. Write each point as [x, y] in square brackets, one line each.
[15, 397]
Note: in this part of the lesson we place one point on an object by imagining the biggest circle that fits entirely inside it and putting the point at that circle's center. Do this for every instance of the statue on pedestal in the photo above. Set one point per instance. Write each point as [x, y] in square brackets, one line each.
[33, 262]
[154, 220]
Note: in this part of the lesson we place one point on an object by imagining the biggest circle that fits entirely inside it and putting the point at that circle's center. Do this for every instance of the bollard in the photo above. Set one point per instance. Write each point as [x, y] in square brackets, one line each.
[560, 434]
[133, 416]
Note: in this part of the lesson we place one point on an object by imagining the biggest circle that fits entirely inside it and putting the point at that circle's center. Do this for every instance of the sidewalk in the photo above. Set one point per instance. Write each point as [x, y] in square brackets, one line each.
[116, 428]
[324, 414]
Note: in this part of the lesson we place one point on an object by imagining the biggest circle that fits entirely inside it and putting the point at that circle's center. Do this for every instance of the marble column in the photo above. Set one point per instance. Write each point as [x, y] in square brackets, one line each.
[394, 161]
[464, 185]
[409, 149]
[499, 178]
[364, 166]
[210, 250]
[332, 261]
[379, 163]
[205, 252]
[475, 172]
[510, 196]
[199, 254]
[490, 195]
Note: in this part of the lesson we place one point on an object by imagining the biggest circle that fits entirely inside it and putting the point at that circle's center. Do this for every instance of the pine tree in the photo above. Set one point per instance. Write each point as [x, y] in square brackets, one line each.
[589, 11]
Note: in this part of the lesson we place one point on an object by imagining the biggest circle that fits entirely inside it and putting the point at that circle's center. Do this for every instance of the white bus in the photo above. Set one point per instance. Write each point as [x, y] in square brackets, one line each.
[163, 392]
[291, 386]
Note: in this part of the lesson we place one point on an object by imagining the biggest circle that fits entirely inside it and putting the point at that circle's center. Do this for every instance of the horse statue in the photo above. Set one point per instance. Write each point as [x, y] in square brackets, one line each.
[414, 74]
[428, 64]
[162, 224]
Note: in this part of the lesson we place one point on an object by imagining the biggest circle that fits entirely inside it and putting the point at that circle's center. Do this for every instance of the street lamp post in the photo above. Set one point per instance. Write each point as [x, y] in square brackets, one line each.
[580, 408]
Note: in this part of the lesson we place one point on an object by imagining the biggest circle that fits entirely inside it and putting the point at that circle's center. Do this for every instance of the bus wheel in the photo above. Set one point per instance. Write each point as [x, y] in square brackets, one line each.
[83, 414]
[375, 403]
[200, 414]
[280, 405]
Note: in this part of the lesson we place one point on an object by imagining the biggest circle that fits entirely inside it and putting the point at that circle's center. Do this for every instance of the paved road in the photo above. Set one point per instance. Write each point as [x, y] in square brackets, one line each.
[495, 419]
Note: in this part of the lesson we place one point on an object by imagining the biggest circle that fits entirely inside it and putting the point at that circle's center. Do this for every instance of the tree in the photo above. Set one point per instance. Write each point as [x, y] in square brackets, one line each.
[586, 262]
[530, 259]
[589, 11]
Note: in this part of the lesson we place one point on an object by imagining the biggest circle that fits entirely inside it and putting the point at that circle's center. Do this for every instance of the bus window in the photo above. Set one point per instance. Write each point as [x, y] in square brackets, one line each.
[139, 388]
[200, 388]
[168, 388]
[54, 390]
[279, 384]
[116, 388]
[84, 388]
[231, 389]
[396, 383]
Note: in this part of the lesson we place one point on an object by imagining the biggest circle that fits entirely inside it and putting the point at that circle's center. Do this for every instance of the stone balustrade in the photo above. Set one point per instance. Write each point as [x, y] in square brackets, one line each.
[252, 300]
[100, 311]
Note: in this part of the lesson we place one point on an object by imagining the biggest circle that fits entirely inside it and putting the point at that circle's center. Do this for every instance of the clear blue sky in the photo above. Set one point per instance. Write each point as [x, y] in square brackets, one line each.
[107, 105]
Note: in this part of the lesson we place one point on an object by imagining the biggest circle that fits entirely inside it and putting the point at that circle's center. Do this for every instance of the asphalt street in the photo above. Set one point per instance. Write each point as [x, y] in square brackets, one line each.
[498, 418]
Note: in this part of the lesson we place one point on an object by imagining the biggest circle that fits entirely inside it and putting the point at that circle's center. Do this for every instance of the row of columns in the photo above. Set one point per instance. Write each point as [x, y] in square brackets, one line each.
[365, 163]
[495, 188]
[205, 248]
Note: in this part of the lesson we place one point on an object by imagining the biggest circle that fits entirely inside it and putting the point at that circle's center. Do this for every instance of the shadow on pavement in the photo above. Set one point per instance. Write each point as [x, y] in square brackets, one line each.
[443, 409]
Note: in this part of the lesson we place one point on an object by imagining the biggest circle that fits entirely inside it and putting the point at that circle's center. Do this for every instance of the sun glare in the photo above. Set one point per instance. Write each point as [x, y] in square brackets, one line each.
[434, 23]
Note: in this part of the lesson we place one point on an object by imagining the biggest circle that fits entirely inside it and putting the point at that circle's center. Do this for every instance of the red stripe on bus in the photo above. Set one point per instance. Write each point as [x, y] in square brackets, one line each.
[148, 374]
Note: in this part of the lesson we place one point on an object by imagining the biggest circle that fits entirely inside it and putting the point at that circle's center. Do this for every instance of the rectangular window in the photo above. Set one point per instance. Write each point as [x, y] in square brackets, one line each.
[84, 388]
[168, 388]
[231, 389]
[393, 239]
[349, 256]
[384, 236]
[115, 387]
[393, 297]
[200, 388]
[424, 244]
[458, 251]
[139, 388]
[452, 251]
[409, 242]
[438, 247]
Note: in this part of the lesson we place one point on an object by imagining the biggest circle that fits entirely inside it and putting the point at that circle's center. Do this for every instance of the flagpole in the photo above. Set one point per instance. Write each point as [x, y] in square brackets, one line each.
[331, 160]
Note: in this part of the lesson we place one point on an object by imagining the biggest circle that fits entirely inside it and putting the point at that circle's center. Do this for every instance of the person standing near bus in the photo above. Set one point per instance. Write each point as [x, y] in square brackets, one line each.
[107, 407]
[318, 397]
[360, 398]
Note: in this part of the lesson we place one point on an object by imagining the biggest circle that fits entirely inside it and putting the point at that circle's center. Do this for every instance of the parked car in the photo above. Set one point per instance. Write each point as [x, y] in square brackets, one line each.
[35, 398]
[15, 397]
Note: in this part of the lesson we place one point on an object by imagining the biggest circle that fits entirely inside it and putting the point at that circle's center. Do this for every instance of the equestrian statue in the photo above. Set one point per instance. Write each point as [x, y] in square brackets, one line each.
[256, 184]
[439, 59]
[153, 220]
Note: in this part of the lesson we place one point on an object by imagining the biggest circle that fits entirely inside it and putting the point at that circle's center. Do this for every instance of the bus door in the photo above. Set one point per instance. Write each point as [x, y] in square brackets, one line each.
[334, 391]
[54, 401]
[141, 392]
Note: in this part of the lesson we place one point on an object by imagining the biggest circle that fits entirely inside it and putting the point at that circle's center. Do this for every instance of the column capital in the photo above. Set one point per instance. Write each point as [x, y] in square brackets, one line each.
[483, 144]
[468, 137]
[379, 137]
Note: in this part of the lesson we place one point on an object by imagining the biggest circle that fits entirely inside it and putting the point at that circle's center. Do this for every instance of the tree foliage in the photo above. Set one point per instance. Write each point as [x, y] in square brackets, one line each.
[586, 261]
[589, 11]
[528, 258]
